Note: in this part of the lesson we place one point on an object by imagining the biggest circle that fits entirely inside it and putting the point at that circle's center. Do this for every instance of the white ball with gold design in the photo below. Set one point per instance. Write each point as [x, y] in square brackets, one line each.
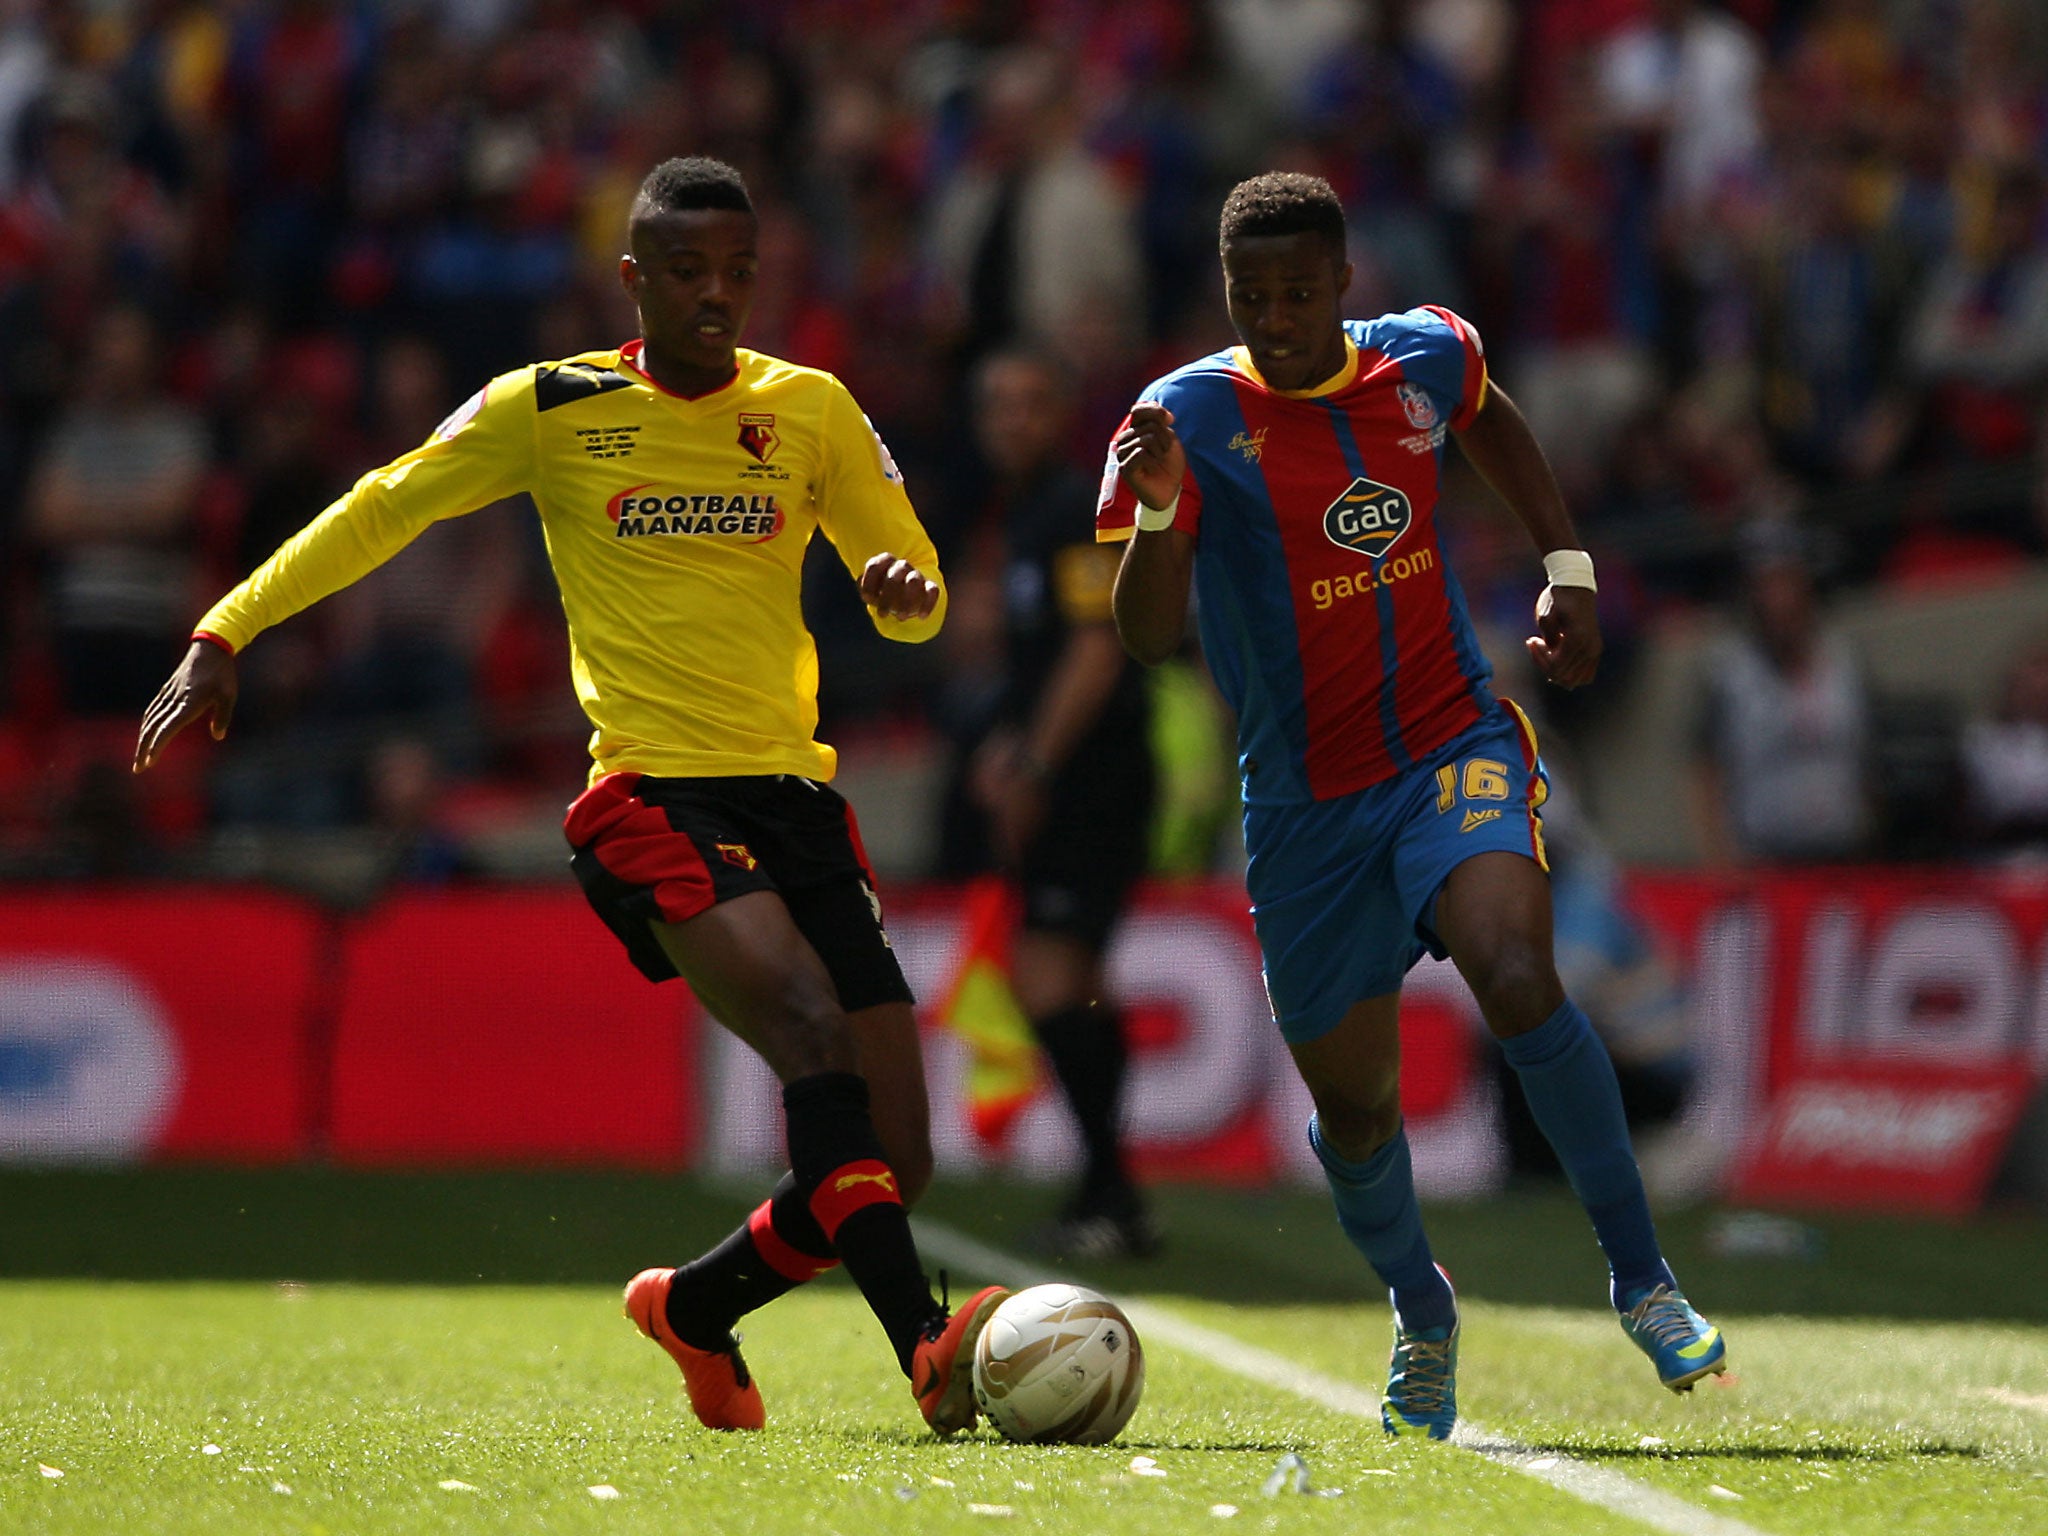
[1058, 1364]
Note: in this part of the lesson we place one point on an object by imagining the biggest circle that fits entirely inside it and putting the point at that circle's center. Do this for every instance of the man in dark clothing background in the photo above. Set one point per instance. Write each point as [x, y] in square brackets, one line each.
[1052, 780]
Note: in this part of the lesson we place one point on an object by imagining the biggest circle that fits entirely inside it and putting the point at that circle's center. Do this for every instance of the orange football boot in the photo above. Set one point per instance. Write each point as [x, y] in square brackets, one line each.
[942, 1365]
[722, 1393]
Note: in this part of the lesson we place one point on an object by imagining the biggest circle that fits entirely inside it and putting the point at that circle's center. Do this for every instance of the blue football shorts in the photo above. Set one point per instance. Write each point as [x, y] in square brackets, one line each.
[1343, 891]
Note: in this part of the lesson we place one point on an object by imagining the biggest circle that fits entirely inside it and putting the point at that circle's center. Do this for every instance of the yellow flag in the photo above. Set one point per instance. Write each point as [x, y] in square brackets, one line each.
[982, 1009]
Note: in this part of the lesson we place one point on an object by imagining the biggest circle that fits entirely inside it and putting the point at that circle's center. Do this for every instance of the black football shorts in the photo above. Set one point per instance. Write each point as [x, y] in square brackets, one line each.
[649, 849]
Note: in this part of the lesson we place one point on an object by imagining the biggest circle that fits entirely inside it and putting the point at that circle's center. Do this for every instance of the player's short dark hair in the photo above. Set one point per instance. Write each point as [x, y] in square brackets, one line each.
[692, 181]
[1284, 203]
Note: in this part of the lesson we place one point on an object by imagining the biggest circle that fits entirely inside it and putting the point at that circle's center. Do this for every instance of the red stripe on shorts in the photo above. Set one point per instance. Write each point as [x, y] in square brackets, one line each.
[859, 848]
[634, 841]
[849, 1188]
[776, 1252]
[1537, 791]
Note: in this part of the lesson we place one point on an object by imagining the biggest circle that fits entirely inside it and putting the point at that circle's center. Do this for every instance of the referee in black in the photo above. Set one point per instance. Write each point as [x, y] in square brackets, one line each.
[1058, 768]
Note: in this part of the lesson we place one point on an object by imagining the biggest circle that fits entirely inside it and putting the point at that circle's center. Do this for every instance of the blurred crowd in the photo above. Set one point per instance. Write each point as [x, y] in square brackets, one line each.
[1768, 264]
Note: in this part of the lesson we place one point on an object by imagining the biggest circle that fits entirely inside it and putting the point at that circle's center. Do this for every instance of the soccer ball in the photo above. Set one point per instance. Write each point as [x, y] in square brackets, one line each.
[1058, 1363]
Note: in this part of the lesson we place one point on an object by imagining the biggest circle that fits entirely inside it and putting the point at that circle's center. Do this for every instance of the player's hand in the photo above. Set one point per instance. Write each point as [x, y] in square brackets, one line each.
[897, 589]
[204, 684]
[1149, 455]
[1566, 645]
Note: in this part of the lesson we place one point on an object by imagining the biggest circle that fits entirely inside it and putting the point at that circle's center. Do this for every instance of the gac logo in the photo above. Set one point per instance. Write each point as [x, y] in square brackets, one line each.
[1368, 517]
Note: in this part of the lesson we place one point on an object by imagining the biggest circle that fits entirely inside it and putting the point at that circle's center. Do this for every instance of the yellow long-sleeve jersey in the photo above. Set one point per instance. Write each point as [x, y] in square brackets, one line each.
[676, 527]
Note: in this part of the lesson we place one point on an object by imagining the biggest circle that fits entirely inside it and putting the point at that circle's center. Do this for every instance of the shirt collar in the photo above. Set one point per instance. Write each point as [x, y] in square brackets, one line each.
[1241, 359]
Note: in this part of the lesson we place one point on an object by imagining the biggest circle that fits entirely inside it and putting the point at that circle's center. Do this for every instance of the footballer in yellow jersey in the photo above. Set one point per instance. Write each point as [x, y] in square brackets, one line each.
[676, 526]
[679, 480]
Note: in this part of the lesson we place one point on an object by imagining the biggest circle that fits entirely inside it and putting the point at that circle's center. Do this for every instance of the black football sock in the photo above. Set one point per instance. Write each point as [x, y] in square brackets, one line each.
[837, 1160]
[773, 1252]
[1085, 1044]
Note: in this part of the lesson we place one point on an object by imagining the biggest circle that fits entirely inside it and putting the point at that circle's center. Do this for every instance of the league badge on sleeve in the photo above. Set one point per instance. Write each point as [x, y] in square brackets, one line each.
[1415, 401]
[461, 416]
[889, 470]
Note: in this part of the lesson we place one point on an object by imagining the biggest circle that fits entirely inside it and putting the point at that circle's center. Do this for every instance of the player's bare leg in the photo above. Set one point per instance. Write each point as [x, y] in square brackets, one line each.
[753, 970]
[892, 1061]
[1354, 1075]
[1494, 915]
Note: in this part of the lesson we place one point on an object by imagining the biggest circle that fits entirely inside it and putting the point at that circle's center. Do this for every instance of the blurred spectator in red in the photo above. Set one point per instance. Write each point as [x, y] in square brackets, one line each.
[1584, 287]
[295, 70]
[111, 503]
[2005, 761]
[1980, 338]
[1781, 743]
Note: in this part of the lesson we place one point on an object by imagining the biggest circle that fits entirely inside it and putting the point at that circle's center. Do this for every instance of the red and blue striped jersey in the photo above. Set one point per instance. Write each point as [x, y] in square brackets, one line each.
[1327, 613]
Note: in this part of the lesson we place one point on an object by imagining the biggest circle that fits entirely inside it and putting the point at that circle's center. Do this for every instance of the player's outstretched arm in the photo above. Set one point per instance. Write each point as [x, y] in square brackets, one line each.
[1151, 598]
[204, 684]
[1566, 645]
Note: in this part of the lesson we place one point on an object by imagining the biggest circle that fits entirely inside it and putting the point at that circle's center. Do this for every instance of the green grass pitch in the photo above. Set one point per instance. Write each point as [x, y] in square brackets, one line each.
[446, 1355]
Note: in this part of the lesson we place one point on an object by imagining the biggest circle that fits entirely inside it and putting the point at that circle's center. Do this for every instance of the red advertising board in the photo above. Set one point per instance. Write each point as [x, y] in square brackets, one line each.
[167, 1023]
[1875, 1033]
[1885, 1135]
[1862, 1036]
[505, 1026]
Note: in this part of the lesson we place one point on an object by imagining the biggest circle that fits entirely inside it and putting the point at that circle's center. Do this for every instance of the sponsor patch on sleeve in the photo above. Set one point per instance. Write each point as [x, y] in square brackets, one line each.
[461, 416]
[889, 470]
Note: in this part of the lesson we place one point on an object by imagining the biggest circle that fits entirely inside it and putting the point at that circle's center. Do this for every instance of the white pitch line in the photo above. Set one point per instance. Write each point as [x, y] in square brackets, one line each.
[2035, 1400]
[1603, 1486]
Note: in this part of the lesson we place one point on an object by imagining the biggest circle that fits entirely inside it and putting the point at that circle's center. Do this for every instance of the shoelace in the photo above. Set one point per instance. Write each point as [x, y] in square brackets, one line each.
[1425, 1375]
[740, 1375]
[1663, 1316]
[937, 1325]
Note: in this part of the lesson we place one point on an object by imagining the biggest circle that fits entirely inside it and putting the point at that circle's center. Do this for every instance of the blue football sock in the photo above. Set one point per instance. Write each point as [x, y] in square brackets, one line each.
[1570, 1085]
[1376, 1208]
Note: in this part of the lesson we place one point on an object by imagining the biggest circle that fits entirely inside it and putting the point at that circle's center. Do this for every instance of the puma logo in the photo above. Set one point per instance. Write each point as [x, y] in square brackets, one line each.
[847, 1181]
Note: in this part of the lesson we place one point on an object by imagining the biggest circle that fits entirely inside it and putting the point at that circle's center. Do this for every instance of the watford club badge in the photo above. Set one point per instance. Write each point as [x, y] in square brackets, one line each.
[738, 855]
[757, 434]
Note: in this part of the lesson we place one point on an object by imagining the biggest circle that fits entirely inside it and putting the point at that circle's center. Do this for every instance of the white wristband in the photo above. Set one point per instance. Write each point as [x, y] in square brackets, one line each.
[1155, 519]
[1570, 568]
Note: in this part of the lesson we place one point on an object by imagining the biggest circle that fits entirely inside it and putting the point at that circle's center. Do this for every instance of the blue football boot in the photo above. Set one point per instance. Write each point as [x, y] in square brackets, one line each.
[1422, 1381]
[1682, 1345]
